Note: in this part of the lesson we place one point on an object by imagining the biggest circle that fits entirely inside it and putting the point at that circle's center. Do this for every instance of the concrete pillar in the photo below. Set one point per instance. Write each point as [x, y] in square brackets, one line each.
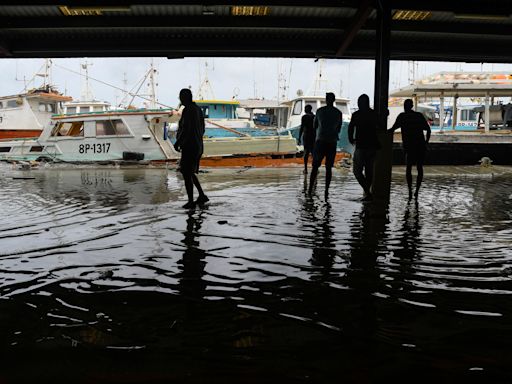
[454, 113]
[487, 114]
[383, 161]
[441, 113]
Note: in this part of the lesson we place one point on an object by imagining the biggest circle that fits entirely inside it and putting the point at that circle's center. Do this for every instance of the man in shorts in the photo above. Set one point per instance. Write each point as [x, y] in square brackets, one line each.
[327, 125]
[307, 135]
[412, 125]
[189, 141]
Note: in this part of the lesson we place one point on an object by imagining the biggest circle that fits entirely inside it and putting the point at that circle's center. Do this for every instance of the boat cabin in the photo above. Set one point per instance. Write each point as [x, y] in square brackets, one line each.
[75, 107]
[26, 114]
[297, 108]
[218, 109]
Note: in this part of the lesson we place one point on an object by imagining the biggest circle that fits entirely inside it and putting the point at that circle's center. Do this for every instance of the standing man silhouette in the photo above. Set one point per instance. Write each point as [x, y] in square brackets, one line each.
[307, 134]
[412, 125]
[365, 122]
[327, 125]
[189, 140]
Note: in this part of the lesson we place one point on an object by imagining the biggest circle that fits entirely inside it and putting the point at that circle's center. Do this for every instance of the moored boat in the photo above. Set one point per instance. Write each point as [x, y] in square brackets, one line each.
[296, 109]
[26, 114]
[93, 137]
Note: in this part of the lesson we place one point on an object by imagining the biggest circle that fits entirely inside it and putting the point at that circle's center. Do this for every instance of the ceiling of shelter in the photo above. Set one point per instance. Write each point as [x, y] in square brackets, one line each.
[451, 30]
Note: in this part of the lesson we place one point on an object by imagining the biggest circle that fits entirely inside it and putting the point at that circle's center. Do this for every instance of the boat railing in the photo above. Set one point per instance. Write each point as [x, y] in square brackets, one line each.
[114, 111]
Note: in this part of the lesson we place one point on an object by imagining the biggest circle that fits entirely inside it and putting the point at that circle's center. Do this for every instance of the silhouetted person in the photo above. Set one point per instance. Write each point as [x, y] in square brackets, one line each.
[307, 135]
[327, 125]
[365, 122]
[412, 125]
[189, 140]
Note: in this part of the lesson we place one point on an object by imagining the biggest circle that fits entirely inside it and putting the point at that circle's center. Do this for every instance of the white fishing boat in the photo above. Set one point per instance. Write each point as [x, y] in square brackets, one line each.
[27, 113]
[296, 109]
[100, 136]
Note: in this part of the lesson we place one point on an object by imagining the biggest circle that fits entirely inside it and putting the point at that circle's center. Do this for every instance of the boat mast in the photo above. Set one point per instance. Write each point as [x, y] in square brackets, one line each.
[205, 91]
[86, 90]
[282, 83]
[319, 87]
[152, 86]
[46, 75]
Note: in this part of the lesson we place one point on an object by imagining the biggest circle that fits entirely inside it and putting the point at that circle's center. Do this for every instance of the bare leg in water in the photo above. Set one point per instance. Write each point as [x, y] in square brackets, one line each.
[189, 186]
[328, 177]
[419, 178]
[306, 157]
[202, 197]
[408, 177]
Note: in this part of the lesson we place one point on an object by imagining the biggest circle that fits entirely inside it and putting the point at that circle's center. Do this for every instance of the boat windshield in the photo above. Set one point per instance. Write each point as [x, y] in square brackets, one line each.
[313, 104]
[111, 127]
[70, 129]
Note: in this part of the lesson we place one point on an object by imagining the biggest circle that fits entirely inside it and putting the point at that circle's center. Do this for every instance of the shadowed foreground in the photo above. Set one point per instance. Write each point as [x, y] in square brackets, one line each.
[104, 278]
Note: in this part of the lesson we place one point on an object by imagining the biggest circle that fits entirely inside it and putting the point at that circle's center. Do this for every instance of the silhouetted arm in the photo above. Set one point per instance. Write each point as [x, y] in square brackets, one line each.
[395, 126]
[301, 131]
[315, 124]
[183, 130]
[340, 124]
[426, 127]
[351, 131]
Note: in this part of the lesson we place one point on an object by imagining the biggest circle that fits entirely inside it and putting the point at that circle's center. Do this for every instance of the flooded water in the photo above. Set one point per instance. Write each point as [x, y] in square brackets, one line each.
[104, 277]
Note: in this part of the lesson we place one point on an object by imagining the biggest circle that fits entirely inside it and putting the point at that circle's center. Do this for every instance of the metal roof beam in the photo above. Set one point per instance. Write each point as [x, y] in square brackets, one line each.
[356, 24]
[127, 3]
[467, 28]
[498, 7]
[88, 22]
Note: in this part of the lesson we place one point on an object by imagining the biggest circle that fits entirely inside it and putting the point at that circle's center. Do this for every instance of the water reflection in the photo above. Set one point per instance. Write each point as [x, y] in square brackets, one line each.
[324, 251]
[192, 263]
[298, 288]
[368, 230]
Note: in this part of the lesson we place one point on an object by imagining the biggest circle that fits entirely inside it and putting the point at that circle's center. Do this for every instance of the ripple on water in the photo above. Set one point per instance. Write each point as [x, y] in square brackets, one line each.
[262, 259]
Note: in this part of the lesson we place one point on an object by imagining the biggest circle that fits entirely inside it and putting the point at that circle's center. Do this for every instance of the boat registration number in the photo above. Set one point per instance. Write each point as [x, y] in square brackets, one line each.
[94, 148]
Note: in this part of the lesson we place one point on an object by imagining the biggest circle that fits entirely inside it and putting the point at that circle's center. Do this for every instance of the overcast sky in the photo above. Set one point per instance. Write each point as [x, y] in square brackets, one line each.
[240, 77]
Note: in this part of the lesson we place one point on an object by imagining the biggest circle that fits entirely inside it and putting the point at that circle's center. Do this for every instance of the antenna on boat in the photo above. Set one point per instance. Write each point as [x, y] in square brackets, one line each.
[152, 84]
[86, 90]
[205, 91]
[319, 84]
[46, 75]
[413, 71]
[24, 78]
[282, 84]
[125, 86]
[254, 79]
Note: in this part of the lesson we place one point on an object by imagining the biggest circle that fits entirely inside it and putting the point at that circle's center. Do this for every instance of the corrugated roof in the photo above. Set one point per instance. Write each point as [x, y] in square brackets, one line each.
[290, 28]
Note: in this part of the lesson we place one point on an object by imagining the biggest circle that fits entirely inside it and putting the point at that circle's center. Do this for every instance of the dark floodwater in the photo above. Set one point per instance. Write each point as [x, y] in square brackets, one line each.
[103, 277]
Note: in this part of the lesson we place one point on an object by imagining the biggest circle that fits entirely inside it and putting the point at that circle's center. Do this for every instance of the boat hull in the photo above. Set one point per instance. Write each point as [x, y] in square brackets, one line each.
[19, 133]
[261, 160]
[343, 144]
